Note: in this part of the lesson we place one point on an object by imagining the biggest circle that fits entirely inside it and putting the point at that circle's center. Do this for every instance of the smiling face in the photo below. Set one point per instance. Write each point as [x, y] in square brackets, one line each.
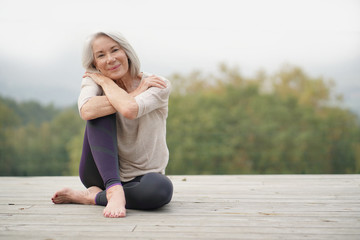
[109, 58]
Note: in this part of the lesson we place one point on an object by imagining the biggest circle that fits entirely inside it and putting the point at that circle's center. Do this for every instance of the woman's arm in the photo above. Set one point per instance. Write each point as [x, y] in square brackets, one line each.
[148, 82]
[116, 99]
[97, 106]
[119, 98]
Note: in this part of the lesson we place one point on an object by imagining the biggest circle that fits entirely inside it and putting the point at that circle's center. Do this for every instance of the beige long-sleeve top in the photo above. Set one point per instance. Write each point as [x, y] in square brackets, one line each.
[142, 144]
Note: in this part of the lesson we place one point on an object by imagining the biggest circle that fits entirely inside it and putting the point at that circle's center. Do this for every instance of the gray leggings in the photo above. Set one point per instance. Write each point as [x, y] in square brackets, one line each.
[99, 167]
[150, 191]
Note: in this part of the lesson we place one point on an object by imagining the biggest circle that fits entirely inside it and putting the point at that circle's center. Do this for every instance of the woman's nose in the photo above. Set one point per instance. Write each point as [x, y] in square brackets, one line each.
[110, 59]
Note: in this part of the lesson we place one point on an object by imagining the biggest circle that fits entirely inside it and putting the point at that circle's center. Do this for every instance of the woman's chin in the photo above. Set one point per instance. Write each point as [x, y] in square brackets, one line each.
[116, 75]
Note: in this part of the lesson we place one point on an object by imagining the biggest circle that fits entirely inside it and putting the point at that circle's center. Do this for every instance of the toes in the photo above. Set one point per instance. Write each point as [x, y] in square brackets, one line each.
[54, 198]
[114, 213]
[106, 213]
[122, 213]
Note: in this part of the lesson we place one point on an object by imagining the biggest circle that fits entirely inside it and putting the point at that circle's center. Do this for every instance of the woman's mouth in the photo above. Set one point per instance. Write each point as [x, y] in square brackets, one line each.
[115, 67]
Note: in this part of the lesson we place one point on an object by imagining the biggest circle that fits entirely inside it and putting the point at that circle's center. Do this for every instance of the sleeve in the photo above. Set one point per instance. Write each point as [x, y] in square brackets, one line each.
[88, 90]
[153, 98]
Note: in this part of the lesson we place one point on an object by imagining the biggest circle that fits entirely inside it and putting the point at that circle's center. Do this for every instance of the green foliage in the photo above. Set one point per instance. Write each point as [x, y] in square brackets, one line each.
[31, 111]
[37, 148]
[285, 123]
[220, 123]
[8, 120]
[74, 148]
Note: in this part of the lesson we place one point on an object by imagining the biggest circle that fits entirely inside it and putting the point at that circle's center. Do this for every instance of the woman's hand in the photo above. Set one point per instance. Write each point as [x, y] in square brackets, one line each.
[98, 78]
[148, 82]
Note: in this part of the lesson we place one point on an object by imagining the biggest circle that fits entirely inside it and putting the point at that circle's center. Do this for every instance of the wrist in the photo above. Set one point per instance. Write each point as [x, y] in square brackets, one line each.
[104, 81]
[134, 93]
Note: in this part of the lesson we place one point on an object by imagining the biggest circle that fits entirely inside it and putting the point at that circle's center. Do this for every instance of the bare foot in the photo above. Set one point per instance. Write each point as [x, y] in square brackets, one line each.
[116, 202]
[68, 195]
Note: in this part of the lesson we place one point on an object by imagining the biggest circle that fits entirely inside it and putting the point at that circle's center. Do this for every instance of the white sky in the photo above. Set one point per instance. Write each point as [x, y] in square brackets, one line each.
[321, 36]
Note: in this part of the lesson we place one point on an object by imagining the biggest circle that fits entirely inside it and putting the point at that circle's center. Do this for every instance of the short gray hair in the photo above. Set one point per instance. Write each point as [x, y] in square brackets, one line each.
[88, 55]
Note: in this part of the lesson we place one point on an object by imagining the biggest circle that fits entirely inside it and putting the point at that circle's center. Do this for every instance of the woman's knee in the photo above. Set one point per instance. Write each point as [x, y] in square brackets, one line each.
[162, 188]
[153, 191]
[107, 120]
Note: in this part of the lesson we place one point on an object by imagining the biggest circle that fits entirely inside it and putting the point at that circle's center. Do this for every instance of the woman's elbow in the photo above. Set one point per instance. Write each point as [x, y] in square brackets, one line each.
[131, 111]
[129, 114]
[86, 118]
[85, 114]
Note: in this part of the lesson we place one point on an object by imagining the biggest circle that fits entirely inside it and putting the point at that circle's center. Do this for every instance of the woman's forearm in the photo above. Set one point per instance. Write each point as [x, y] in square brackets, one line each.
[96, 107]
[122, 101]
[119, 99]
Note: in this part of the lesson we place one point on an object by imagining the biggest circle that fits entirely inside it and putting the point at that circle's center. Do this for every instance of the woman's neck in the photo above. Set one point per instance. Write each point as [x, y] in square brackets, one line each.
[128, 83]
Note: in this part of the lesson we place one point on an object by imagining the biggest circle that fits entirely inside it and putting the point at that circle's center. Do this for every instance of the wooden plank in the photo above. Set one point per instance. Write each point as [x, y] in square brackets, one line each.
[58, 235]
[177, 208]
[212, 221]
[203, 207]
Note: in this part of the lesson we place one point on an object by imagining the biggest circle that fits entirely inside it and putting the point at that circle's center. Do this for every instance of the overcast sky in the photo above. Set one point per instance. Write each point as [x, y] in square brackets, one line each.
[41, 40]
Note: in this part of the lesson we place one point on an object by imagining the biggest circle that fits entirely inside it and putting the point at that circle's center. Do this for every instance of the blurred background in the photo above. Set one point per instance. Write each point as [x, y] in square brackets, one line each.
[258, 86]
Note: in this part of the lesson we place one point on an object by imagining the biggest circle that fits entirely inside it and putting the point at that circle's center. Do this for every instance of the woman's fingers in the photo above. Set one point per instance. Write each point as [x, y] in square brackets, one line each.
[97, 77]
[154, 81]
[89, 74]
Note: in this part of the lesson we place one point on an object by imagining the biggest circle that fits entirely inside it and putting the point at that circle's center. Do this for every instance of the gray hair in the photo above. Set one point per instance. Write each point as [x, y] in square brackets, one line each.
[88, 55]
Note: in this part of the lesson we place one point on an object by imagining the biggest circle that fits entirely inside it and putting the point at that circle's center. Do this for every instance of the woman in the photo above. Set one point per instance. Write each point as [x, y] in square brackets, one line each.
[124, 152]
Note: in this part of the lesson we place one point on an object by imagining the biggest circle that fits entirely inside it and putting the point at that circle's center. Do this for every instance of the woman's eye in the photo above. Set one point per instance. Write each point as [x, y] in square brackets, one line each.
[100, 55]
[115, 49]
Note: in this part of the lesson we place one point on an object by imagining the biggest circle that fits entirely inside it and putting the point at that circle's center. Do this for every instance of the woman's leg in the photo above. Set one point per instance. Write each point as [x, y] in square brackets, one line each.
[101, 134]
[99, 166]
[151, 191]
[88, 172]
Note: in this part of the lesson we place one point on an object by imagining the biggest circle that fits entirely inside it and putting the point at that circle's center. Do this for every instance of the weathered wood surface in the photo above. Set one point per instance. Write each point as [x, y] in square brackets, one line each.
[203, 207]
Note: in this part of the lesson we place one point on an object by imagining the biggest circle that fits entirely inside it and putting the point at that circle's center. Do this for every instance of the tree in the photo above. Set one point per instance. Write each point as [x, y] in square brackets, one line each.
[8, 121]
[284, 123]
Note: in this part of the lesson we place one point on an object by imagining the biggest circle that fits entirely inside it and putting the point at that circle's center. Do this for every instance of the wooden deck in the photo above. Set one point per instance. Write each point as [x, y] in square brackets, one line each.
[203, 207]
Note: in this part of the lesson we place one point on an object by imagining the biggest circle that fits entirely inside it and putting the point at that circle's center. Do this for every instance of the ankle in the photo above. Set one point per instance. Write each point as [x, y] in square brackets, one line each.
[114, 185]
[92, 193]
[115, 191]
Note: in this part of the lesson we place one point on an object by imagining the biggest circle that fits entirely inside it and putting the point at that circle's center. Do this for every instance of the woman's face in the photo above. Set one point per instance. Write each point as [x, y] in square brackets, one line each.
[109, 58]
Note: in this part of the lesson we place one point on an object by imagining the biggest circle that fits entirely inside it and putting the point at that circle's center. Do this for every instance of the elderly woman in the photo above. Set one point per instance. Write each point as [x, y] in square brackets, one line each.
[124, 153]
